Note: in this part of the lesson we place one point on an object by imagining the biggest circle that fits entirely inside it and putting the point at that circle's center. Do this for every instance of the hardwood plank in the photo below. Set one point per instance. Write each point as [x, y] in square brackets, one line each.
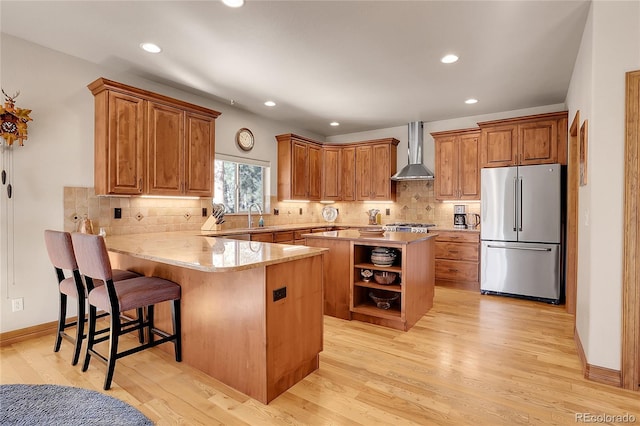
[471, 359]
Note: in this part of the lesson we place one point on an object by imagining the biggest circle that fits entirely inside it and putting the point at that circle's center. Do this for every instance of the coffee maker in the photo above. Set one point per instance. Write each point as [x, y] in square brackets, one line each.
[459, 216]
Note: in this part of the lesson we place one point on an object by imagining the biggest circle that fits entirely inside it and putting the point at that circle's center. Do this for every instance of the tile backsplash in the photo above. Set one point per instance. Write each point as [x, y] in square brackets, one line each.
[415, 202]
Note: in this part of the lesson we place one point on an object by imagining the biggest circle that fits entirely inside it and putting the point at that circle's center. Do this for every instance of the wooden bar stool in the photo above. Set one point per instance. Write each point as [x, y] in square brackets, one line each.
[121, 296]
[62, 256]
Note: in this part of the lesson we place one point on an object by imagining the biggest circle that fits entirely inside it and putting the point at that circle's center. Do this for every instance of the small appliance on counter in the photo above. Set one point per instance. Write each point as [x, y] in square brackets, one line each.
[473, 220]
[460, 216]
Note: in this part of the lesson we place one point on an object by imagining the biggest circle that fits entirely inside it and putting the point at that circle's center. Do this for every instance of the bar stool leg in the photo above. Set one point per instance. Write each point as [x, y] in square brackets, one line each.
[79, 330]
[91, 336]
[177, 328]
[61, 321]
[113, 349]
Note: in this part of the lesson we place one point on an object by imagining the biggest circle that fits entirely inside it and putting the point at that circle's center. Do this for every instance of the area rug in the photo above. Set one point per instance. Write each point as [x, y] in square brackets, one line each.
[64, 405]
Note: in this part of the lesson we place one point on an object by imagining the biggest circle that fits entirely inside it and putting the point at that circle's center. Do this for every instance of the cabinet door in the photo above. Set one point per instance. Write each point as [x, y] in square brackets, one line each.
[363, 173]
[165, 142]
[381, 172]
[299, 167]
[468, 168]
[498, 146]
[331, 173]
[537, 142]
[125, 152]
[199, 152]
[446, 182]
[314, 173]
[348, 174]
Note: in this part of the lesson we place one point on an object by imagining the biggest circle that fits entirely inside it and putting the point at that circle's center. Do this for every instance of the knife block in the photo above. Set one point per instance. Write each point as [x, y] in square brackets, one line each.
[211, 225]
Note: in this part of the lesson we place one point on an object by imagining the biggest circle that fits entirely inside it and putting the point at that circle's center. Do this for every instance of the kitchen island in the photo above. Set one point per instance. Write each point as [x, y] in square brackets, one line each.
[348, 289]
[251, 312]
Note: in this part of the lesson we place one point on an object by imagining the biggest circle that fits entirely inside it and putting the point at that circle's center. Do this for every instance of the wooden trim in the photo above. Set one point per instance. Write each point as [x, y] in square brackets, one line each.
[603, 375]
[631, 255]
[456, 132]
[15, 336]
[102, 84]
[535, 117]
[571, 275]
[289, 136]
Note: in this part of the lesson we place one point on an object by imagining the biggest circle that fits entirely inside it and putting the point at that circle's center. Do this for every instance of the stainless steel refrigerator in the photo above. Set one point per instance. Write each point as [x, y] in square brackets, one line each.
[521, 232]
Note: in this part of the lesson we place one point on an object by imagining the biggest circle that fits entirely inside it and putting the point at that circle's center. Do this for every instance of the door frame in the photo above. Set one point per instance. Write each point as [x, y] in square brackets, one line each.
[631, 255]
[573, 185]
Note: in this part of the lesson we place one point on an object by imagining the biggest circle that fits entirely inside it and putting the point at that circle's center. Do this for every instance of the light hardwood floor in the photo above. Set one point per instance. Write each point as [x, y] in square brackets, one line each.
[472, 360]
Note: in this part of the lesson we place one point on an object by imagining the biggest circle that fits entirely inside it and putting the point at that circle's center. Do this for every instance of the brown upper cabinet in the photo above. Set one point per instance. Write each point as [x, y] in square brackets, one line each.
[338, 173]
[375, 164]
[310, 170]
[299, 168]
[535, 139]
[457, 165]
[146, 143]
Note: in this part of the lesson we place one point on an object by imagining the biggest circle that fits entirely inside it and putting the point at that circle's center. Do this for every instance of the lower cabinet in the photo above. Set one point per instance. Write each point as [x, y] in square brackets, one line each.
[263, 237]
[458, 259]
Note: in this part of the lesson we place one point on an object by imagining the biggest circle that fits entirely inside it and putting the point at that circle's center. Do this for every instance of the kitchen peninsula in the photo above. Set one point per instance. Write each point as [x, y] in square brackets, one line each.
[251, 312]
[348, 290]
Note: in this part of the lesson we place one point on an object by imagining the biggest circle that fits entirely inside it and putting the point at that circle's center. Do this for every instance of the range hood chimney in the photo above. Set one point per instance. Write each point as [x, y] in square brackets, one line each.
[415, 170]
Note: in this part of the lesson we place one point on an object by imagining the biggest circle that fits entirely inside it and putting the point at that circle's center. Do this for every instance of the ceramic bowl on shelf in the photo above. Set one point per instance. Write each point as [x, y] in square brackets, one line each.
[384, 277]
[382, 256]
[383, 300]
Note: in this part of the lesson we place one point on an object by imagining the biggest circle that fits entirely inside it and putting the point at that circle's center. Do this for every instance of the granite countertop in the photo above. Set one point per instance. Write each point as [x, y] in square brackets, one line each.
[387, 237]
[451, 228]
[278, 228]
[191, 250]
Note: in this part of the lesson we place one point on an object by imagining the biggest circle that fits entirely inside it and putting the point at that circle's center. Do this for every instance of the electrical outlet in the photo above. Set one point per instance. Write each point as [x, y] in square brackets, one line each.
[300, 210]
[205, 213]
[388, 212]
[17, 304]
[276, 212]
[117, 213]
[279, 293]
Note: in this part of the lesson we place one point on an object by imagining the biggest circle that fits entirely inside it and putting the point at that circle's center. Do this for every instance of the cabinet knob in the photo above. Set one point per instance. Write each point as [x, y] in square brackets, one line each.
[453, 270]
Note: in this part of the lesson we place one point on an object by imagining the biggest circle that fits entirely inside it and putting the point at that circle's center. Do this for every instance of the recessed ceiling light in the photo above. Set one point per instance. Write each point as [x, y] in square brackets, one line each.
[334, 123]
[150, 47]
[270, 103]
[449, 59]
[471, 101]
[233, 3]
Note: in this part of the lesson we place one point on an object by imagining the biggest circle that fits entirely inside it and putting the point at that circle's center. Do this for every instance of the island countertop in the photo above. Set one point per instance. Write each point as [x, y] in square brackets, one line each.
[209, 254]
[387, 237]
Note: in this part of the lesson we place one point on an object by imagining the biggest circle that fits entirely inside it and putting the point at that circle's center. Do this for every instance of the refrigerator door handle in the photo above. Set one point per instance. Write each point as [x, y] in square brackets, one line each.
[515, 203]
[519, 248]
[520, 196]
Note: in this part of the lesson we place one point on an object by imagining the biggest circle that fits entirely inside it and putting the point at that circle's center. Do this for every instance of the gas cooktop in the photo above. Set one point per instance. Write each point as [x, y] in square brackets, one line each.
[408, 227]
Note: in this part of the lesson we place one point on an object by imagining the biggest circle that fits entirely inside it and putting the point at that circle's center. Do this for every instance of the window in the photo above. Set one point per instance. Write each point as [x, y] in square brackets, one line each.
[240, 182]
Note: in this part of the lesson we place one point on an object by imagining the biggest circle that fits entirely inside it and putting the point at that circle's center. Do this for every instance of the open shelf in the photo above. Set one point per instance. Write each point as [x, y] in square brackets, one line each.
[369, 308]
[372, 284]
[362, 265]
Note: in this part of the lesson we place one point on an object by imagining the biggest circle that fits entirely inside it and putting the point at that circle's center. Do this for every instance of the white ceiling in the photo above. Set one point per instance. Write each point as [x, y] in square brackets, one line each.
[365, 64]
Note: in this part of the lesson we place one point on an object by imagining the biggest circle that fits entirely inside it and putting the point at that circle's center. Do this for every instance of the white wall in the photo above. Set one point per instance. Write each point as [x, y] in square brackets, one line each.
[59, 152]
[610, 48]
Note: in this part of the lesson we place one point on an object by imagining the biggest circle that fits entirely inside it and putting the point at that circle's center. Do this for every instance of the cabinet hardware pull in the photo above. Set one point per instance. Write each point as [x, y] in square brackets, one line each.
[453, 270]
[140, 185]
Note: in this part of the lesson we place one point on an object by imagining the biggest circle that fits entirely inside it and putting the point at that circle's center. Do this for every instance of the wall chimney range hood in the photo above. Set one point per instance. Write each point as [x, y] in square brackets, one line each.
[415, 170]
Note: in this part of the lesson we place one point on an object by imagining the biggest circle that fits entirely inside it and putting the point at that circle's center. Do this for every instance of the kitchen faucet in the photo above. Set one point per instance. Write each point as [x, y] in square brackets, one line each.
[257, 206]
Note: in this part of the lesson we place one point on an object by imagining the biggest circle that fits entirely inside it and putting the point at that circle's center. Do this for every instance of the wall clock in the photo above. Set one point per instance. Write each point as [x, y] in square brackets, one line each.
[245, 139]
